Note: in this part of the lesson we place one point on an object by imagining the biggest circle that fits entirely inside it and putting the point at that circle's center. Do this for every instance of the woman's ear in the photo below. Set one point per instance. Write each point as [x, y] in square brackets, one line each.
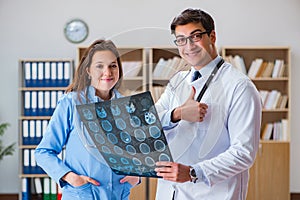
[87, 71]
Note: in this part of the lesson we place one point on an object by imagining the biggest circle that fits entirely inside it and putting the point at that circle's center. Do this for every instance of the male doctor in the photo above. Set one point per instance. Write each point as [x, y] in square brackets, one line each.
[213, 142]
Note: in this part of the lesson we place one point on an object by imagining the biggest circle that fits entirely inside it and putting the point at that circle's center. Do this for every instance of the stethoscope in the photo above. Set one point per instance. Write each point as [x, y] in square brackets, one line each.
[204, 88]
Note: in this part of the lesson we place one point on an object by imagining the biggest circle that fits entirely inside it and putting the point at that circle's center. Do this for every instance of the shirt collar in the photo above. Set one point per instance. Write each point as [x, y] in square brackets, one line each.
[94, 98]
[207, 69]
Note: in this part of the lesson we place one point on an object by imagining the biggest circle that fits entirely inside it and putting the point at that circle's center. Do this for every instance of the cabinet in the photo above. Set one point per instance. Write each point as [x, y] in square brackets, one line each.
[269, 176]
[41, 83]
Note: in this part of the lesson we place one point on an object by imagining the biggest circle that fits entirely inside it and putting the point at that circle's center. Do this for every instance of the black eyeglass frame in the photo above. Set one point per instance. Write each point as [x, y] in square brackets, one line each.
[191, 38]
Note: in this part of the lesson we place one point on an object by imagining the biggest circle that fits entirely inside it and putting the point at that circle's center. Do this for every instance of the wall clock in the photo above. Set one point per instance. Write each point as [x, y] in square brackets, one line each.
[76, 30]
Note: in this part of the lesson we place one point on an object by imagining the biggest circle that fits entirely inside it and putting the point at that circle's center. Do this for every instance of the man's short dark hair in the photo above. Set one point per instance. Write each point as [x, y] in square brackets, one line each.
[191, 15]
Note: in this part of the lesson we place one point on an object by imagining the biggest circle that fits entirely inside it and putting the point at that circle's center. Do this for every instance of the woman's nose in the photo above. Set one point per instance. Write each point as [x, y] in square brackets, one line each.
[107, 70]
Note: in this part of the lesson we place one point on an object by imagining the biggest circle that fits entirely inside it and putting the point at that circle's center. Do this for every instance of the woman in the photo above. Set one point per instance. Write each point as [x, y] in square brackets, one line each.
[84, 174]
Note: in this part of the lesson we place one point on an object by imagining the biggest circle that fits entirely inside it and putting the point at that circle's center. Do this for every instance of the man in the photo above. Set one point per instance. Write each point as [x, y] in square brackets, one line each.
[214, 139]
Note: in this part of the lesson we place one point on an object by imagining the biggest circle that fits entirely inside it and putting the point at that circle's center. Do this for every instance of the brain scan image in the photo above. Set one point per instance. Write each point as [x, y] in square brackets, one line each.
[101, 113]
[120, 123]
[106, 125]
[149, 117]
[88, 115]
[115, 110]
[130, 107]
[135, 121]
[128, 134]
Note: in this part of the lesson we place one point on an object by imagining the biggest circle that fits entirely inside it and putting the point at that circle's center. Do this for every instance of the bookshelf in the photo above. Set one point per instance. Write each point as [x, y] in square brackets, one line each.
[134, 68]
[271, 166]
[41, 83]
[164, 62]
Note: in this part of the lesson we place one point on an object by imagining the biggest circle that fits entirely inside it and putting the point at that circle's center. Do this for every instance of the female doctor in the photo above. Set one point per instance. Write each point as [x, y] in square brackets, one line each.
[84, 173]
[213, 142]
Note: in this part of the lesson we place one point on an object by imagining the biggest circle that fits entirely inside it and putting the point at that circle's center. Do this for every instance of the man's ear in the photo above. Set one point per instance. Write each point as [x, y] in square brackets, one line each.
[212, 36]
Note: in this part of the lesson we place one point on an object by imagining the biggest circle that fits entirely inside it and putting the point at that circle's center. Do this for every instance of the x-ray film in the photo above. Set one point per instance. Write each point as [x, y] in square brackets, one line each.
[128, 133]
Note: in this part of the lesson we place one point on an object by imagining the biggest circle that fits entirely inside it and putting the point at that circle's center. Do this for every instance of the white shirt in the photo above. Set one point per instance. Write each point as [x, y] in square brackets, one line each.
[223, 147]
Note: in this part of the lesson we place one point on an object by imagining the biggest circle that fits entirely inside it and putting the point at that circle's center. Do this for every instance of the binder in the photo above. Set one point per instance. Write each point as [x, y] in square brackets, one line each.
[26, 160]
[27, 74]
[47, 109]
[53, 75]
[25, 133]
[38, 131]
[44, 126]
[46, 191]
[53, 191]
[60, 74]
[53, 101]
[27, 97]
[40, 82]
[33, 107]
[34, 71]
[47, 73]
[67, 71]
[59, 95]
[41, 107]
[32, 132]
[38, 195]
[33, 166]
[25, 189]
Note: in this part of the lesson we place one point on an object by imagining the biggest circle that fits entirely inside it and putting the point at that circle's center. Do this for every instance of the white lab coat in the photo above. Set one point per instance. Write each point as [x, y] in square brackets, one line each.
[223, 147]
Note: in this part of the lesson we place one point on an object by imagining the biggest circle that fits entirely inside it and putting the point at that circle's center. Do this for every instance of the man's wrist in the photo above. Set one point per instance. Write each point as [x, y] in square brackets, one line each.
[174, 117]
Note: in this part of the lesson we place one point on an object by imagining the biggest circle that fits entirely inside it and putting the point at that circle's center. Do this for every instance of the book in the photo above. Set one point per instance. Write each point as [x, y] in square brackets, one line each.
[268, 70]
[131, 68]
[264, 96]
[277, 68]
[284, 102]
[267, 131]
[159, 67]
[240, 64]
[254, 67]
[261, 69]
[272, 99]
[285, 131]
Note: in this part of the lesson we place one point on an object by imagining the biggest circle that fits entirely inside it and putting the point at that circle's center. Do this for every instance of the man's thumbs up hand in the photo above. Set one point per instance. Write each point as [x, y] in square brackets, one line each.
[191, 110]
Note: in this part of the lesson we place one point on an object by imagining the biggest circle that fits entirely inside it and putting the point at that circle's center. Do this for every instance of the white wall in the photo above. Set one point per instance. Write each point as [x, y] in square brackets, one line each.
[34, 29]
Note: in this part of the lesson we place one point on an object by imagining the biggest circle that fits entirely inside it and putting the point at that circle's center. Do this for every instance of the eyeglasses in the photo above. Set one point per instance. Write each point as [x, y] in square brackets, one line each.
[195, 37]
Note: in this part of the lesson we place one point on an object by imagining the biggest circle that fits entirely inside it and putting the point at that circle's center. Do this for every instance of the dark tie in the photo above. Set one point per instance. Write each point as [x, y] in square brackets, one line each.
[196, 75]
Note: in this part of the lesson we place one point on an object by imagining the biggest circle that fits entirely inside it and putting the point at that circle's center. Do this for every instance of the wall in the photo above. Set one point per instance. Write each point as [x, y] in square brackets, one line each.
[34, 29]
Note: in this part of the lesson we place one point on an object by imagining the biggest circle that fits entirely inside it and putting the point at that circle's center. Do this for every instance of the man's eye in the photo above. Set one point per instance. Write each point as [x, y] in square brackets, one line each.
[99, 66]
[180, 40]
[197, 36]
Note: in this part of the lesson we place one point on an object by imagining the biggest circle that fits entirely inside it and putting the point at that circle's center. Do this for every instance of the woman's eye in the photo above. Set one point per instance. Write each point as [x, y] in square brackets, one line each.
[99, 66]
[113, 66]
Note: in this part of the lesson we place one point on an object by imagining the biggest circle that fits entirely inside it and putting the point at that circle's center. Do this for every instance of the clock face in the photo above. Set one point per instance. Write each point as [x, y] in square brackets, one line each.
[76, 31]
